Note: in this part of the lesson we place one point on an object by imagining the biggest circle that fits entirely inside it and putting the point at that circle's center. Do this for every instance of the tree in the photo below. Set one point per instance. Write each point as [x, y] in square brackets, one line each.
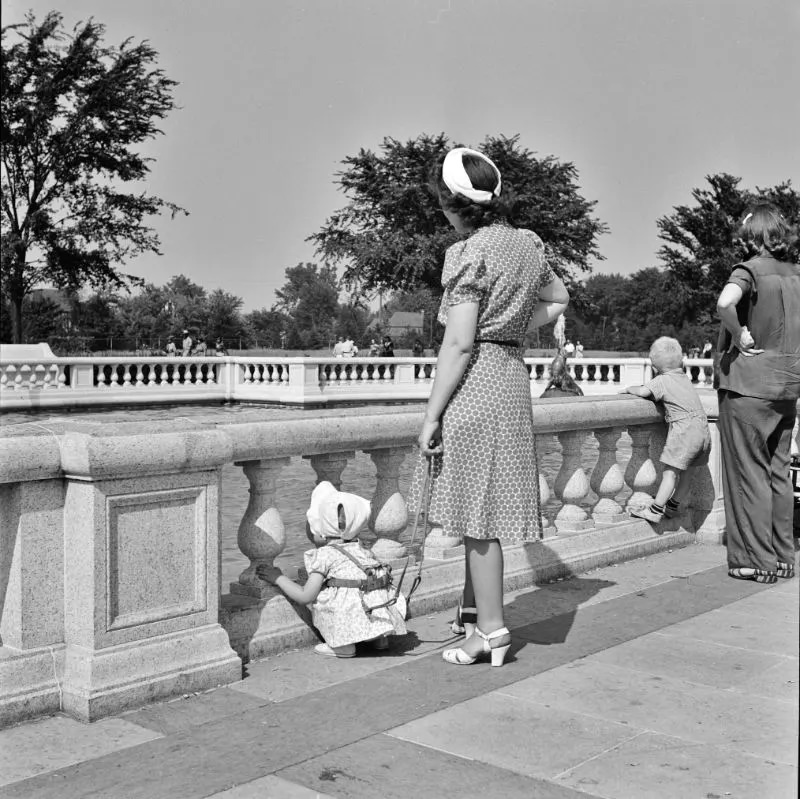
[265, 327]
[224, 318]
[392, 234]
[73, 112]
[701, 246]
[310, 297]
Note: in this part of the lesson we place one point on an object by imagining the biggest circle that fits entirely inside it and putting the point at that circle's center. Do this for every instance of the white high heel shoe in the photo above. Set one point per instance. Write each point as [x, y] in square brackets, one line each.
[465, 622]
[496, 643]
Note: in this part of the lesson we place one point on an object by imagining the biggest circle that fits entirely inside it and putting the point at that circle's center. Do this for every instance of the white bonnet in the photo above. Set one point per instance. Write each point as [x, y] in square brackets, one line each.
[323, 513]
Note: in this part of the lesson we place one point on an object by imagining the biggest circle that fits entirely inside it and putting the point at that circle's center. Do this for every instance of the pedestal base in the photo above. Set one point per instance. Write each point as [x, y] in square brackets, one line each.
[30, 682]
[107, 681]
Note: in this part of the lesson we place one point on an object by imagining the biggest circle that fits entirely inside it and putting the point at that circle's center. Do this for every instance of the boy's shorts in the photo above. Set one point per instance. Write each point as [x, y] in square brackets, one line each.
[688, 443]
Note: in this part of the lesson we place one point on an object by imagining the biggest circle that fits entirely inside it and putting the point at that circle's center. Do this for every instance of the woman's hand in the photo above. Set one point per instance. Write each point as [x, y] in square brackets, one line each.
[430, 438]
[746, 344]
[269, 574]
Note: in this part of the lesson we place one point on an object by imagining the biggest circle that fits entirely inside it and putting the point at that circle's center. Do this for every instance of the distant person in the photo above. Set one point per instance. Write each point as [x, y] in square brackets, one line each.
[338, 348]
[172, 349]
[579, 350]
[694, 352]
[707, 350]
[349, 349]
[418, 350]
[374, 349]
[569, 348]
[387, 347]
[186, 344]
[688, 436]
[759, 385]
[219, 346]
[347, 587]
[201, 347]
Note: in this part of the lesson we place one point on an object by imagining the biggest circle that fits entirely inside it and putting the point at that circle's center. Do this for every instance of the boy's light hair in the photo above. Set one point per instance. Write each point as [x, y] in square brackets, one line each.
[666, 354]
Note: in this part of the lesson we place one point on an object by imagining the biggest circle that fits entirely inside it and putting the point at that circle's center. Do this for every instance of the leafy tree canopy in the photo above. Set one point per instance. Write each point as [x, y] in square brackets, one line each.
[700, 246]
[392, 235]
[74, 111]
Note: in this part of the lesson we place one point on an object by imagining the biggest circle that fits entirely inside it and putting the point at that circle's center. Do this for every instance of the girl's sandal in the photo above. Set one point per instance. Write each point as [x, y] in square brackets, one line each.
[758, 575]
[785, 570]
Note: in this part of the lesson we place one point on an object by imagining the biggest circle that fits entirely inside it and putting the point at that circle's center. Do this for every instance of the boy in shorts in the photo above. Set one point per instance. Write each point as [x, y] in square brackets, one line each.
[688, 437]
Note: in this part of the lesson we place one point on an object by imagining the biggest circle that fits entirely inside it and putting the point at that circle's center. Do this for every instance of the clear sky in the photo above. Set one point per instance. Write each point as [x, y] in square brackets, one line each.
[645, 97]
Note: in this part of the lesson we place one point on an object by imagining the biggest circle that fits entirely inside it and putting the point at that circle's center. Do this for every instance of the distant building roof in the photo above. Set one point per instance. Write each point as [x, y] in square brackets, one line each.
[404, 321]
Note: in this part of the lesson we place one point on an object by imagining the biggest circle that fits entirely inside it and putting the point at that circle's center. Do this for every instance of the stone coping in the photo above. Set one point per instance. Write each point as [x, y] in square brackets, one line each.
[91, 447]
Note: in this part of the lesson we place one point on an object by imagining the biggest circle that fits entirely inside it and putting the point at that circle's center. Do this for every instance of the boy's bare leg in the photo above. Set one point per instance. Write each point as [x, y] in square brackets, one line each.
[669, 481]
[684, 486]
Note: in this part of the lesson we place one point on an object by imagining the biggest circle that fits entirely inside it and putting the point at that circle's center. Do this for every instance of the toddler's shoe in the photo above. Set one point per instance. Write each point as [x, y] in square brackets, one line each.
[346, 651]
[648, 514]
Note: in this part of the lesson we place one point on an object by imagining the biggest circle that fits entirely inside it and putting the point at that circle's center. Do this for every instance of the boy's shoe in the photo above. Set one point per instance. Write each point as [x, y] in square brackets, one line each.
[672, 511]
[380, 643]
[346, 651]
[648, 514]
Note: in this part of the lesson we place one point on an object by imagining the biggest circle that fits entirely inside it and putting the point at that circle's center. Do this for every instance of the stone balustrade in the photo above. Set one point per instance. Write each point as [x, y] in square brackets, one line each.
[50, 382]
[110, 546]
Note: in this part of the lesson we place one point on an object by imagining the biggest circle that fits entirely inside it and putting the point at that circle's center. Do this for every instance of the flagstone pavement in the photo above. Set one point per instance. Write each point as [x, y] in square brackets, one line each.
[656, 678]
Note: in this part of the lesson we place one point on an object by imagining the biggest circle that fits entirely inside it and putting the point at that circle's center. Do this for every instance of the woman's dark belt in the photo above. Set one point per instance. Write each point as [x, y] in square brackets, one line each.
[501, 342]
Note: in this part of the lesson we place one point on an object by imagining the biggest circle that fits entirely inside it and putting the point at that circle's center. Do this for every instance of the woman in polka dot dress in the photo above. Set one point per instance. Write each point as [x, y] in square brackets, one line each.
[478, 426]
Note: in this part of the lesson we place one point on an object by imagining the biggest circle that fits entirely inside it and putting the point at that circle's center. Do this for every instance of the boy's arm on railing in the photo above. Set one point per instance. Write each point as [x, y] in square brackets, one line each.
[638, 391]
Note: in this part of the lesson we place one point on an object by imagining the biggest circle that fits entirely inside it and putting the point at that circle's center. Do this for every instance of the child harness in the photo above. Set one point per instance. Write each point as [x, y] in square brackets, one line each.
[373, 581]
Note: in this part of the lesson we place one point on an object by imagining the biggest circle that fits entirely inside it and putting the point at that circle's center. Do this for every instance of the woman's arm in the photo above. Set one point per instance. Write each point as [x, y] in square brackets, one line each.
[729, 298]
[451, 363]
[553, 301]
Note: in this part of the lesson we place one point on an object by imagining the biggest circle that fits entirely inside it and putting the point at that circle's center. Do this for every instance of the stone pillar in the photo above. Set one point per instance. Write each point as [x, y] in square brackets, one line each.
[571, 484]
[640, 474]
[261, 536]
[389, 516]
[707, 503]
[607, 479]
[141, 567]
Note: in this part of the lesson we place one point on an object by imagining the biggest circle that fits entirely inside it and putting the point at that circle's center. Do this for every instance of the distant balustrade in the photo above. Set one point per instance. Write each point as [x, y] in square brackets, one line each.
[48, 382]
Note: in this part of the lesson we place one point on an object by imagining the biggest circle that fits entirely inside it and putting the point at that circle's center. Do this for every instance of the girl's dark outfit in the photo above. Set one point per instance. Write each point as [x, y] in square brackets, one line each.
[757, 408]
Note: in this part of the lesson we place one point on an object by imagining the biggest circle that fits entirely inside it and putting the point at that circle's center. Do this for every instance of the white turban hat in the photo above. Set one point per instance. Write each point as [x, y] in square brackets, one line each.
[456, 179]
[323, 513]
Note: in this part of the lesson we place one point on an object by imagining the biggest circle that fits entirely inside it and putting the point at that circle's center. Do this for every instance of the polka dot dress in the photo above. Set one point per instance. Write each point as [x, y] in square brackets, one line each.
[486, 482]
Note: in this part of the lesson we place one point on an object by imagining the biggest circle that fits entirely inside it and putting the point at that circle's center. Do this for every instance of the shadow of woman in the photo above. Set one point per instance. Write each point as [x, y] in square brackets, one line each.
[545, 615]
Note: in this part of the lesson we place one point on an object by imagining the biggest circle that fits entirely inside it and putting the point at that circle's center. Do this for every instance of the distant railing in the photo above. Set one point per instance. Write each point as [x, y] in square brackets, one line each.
[50, 382]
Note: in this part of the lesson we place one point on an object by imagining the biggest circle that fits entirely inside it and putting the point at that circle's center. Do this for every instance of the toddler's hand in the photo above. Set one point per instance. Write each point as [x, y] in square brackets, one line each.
[269, 574]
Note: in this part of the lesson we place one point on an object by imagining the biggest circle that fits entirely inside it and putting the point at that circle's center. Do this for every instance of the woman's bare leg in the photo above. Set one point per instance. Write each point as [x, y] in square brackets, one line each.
[485, 558]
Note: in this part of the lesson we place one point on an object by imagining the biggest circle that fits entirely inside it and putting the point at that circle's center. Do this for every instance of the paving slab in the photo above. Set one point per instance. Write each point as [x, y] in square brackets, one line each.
[292, 674]
[772, 605]
[270, 787]
[702, 662]
[665, 705]
[509, 733]
[385, 767]
[51, 743]
[189, 711]
[780, 682]
[728, 626]
[653, 766]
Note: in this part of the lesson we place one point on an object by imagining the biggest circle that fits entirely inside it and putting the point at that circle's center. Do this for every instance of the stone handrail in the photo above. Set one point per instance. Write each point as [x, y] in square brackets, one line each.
[30, 383]
[110, 544]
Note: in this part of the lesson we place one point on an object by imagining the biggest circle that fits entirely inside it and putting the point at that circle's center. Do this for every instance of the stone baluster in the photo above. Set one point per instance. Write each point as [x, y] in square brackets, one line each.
[658, 438]
[640, 474]
[572, 484]
[607, 479]
[548, 529]
[329, 466]
[389, 516]
[126, 375]
[261, 533]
